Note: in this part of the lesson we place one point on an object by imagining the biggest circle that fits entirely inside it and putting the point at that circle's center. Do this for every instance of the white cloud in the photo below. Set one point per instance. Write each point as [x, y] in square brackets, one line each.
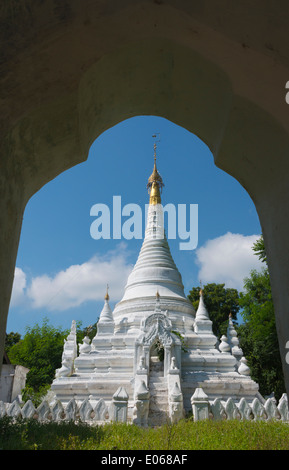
[80, 282]
[228, 259]
[18, 290]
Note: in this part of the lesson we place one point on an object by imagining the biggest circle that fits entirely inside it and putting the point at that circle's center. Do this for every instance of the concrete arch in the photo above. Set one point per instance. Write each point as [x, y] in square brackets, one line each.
[205, 85]
[155, 77]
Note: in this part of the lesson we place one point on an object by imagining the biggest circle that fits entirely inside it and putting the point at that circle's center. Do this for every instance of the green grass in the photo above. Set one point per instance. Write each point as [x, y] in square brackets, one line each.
[186, 435]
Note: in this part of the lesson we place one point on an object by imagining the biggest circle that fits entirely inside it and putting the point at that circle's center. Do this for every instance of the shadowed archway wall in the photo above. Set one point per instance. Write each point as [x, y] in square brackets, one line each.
[73, 69]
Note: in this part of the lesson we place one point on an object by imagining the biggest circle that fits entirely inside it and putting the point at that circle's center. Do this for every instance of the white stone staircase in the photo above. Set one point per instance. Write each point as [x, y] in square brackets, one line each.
[158, 387]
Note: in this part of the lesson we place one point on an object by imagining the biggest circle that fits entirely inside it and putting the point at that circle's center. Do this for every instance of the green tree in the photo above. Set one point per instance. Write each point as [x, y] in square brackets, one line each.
[259, 248]
[258, 335]
[40, 351]
[11, 339]
[220, 302]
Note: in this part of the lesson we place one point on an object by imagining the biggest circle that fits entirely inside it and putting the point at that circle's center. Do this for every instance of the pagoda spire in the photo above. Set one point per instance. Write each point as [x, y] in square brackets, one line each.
[106, 313]
[155, 269]
[155, 183]
[106, 297]
[202, 313]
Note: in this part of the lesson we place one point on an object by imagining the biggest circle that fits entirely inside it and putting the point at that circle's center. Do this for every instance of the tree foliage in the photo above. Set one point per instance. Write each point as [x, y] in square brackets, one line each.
[258, 335]
[11, 339]
[40, 351]
[220, 302]
[259, 248]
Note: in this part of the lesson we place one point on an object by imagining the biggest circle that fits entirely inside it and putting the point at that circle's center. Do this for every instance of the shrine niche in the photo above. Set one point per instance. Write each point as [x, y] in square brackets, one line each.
[157, 328]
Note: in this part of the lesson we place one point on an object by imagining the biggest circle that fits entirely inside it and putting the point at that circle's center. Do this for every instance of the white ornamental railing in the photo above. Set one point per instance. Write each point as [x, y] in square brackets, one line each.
[45, 412]
[243, 410]
[97, 411]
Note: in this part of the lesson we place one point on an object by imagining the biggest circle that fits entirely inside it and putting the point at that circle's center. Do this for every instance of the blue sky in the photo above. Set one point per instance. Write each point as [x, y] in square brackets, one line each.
[62, 272]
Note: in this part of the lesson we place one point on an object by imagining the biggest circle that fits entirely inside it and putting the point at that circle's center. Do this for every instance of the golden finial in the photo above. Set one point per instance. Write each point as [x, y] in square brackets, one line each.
[106, 297]
[155, 182]
[201, 288]
[157, 295]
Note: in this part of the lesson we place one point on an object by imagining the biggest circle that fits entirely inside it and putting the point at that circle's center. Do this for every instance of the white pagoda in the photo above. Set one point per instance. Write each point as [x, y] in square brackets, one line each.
[153, 351]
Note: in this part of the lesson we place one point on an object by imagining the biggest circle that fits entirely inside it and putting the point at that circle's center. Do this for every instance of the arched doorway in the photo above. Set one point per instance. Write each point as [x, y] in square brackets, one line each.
[156, 359]
[52, 123]
[157, 385]
[156, 346]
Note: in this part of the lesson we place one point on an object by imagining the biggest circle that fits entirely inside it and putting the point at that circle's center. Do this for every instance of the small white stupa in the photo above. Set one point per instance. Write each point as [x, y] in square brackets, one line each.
[154, 350]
